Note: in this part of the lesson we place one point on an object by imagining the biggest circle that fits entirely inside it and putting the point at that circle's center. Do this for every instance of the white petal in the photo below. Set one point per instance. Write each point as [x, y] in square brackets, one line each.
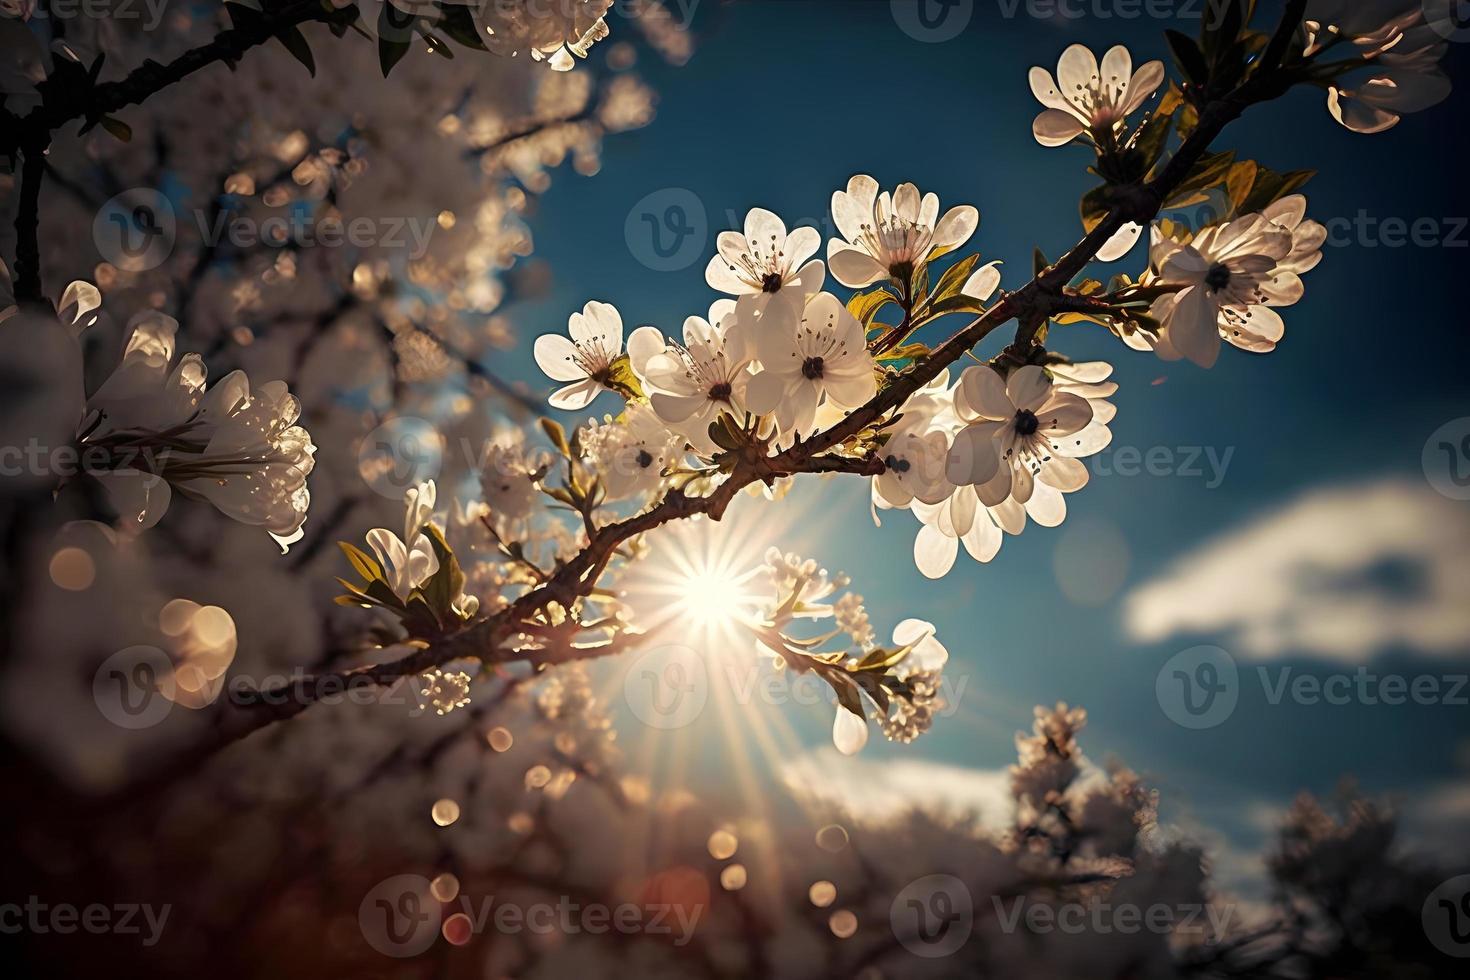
[852, 267]
[1119, 245]
[849, 732]
[934, 552]
[1027, 387]
[575, 396]
[956, 227]
[982, 282]
[554, 356]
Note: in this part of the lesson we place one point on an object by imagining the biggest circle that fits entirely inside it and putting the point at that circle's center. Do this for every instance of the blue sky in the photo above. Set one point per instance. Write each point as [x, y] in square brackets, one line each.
[782, 102]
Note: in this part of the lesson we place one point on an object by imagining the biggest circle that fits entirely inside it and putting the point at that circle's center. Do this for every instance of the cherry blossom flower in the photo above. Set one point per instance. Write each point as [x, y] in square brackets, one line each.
[824, 357]
[1232, 275]
[631, 453]
[508, 480]
[1307, 237]
[962, 519]
[690, 384]
[766, 263]
[553, 32]
[1402, 43]
[887, 235]
[1014, 426]
[914, 462]
[586, 359]
[239, 449]
[1087, 98]
[408, 561]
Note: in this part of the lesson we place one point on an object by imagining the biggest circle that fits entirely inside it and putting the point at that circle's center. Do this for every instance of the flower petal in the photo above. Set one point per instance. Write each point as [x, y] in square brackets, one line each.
[555, 357]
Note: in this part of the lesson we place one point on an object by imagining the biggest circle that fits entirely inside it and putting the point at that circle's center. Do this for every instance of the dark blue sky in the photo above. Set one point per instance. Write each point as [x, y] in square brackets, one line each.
[782, 102]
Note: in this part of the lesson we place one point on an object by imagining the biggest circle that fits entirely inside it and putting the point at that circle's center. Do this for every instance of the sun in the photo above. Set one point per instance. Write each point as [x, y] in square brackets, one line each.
[715, 598]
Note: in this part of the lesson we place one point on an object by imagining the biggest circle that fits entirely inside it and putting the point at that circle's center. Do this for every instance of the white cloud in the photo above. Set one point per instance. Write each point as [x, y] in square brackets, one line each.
[876, 790]
[1344, 572]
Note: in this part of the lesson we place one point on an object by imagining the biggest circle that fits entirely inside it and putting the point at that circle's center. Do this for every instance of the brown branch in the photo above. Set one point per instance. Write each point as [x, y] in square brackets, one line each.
[28, 223]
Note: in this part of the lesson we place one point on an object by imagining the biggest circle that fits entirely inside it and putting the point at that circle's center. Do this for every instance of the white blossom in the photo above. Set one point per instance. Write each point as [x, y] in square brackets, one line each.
[408, 561]
[823, 357]
[889, 235]
[631, 453]
[766, 263]
[1402, 43]
[690, 384]
[1087, 98]
[586, 359]
[1232, 275]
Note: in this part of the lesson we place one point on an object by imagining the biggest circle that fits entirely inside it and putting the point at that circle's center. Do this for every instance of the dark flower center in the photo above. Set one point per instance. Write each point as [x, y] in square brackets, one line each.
[811, 368]
[771, 283]
[644, 459]
[720, 392]
[1026, 422]
[1218, 277]
[901, 271]
[896, 464]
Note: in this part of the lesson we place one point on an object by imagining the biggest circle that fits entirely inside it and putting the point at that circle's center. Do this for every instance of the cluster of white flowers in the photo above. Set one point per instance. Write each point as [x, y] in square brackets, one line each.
[902, 694]
[778, 351]
[1401, 43]
[238, 448]
[976, 458]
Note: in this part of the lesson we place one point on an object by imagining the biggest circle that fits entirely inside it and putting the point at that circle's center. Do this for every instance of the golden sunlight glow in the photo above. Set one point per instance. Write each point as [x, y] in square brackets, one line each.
[714, 597]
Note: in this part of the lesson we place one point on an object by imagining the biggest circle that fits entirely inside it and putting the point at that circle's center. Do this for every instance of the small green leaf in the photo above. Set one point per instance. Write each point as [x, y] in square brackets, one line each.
[296, 43]
[865, 306]
[1188, 57]
[954, 278]
[362, 563]
[557, 435]
[120, 130]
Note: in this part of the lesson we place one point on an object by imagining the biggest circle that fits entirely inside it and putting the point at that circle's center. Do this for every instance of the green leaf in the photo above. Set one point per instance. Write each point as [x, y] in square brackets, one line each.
[954, 278]
[362, 563]
[120, 130]
[1210, 170]
[296, 43]
[865, 306]
[557, 435]
[1270, 187]
[1239, 181]
[447, 583]
[458, 23]
[1188, 57]
[1094, 206]
[390, 53]
[1152, 136]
